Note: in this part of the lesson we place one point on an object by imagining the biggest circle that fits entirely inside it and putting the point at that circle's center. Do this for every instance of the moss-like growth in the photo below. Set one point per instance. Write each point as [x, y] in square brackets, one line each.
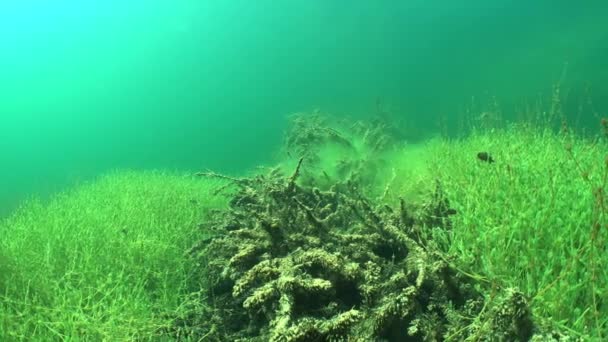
[290, 263]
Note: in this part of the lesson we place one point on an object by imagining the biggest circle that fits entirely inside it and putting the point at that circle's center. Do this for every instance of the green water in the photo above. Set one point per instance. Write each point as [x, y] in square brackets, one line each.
[88, 86]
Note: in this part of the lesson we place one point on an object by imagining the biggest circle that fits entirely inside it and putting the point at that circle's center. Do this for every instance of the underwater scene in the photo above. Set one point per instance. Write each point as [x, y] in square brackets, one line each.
[303, 170]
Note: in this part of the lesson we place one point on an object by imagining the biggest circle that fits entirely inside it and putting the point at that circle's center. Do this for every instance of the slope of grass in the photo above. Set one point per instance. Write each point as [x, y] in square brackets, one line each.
[104, 261]
[534, 218]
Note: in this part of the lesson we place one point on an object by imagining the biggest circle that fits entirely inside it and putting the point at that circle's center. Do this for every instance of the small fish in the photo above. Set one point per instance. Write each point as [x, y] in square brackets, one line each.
[485, 156]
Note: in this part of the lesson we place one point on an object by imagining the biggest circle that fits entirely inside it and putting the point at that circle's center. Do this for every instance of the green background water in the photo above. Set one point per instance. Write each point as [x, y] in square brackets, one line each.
[88, 86]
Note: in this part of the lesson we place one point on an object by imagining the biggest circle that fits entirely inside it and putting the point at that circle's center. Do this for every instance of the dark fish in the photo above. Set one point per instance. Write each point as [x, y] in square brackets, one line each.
[485, 156]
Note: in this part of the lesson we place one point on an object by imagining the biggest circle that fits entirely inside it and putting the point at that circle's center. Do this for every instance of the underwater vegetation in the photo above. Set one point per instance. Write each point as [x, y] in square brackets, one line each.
[103, 261]
[295, 259]
[354, 235]
[535, 219]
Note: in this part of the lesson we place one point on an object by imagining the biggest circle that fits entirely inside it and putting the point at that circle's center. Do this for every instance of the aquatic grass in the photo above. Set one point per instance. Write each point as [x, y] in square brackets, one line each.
[104, 261]
[529, 219]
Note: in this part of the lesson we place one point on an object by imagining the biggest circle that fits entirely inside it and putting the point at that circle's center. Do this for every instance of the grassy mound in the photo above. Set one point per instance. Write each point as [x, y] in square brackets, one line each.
[103, 261]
